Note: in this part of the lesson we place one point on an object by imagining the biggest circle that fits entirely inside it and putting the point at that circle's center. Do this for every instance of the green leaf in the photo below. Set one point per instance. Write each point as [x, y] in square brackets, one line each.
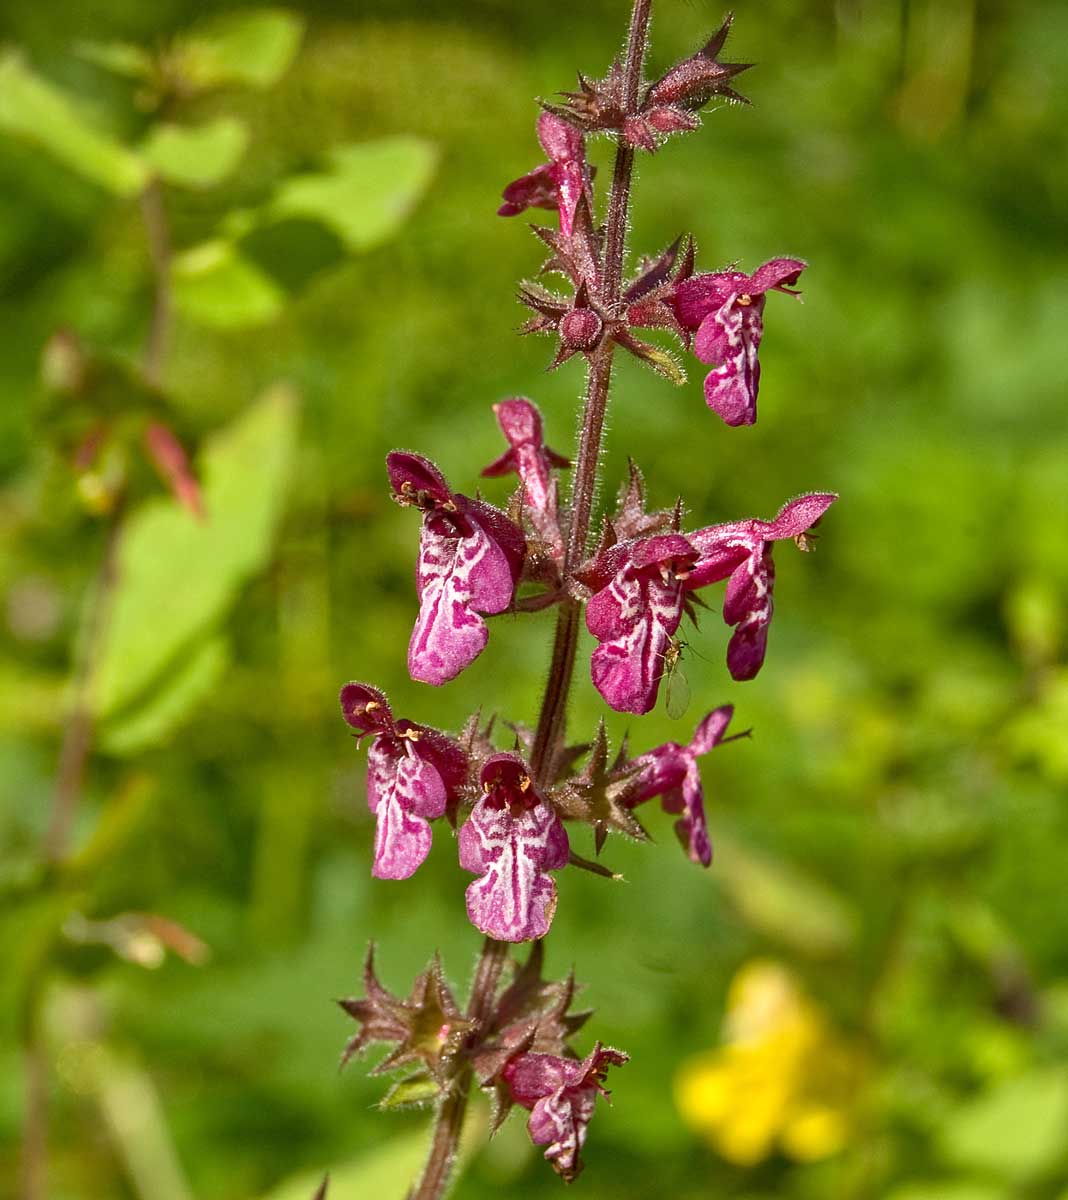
[662, 361]
[32, 109]
[407, 1093]
[782, 902]
[178, 576]
[366, 193]
[1016, 1129]
[254, 48]
[949, 1189]
[196, 156]
[386, 1173]
[215, 285]
[120, 58]
[149, 724]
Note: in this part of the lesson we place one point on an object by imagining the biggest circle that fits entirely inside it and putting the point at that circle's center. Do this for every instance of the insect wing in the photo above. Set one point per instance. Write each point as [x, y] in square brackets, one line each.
[677, 693]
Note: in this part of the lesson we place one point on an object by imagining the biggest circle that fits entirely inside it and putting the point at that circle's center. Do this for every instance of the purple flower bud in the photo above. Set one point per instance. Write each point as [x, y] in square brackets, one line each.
[533, 461]
[559, 183]
[470, 557]
[511, 839]
[695, 80]
[670, 772]
[561, 1094]
[581, 328]
[670, 120]
[726, 309]
[413, 773]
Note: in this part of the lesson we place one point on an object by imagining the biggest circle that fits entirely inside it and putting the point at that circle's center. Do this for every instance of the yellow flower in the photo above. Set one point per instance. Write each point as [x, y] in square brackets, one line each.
[782, 1077]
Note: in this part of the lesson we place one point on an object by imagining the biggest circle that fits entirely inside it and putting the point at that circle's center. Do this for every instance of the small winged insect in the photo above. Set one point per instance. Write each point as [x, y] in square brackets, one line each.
[676, 685]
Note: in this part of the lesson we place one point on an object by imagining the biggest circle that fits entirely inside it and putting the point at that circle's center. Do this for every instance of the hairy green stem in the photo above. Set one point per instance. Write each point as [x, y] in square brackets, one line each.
[450, 1116]
[553, 718]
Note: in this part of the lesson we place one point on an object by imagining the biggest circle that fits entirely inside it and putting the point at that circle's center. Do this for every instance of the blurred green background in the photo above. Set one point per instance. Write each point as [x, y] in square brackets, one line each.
[889, 892]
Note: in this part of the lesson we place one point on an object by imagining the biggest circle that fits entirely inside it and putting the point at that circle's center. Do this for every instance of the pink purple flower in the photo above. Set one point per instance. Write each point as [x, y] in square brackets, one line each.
[413, 774]
[529, 457]
[727, 311]
[640, 589]
[670, 771]
[634, 618]
[561, 1094]
[512, 838]
[560, 183]
[741, 554]
[470, 557]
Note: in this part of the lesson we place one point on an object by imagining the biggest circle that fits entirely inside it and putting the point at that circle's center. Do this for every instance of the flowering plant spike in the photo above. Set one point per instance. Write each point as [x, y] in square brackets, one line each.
[521, 812]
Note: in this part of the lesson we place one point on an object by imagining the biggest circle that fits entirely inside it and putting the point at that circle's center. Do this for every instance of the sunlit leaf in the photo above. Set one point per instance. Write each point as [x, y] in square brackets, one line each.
[176, 696]
[32, 109]
[407, 1093]
[365, 194]
[196, 156]
[215, 285]
[178, 575]
[254, 48]
[662, 361]
[1015, 1130]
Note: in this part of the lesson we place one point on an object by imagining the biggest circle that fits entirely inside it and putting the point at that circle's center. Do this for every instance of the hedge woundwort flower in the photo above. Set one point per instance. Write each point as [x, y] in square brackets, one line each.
[512, 838]
[561, 1094]
[413, 773]
[727, 311]
[510, 804]
[470, 556]
[670, 772]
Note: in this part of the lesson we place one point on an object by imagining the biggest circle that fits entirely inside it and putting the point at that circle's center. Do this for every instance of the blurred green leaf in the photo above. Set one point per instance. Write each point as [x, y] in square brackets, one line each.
[32, 109]
[949, 1189]
[196, 156]
[215, 285]
[1034, 614]
[385, 1173]
[178, 575]
[407, 1093]
[149, 724]
[254, 48]
[365, 194]
[120, 58]
[1016, 1130]
[783, 903]
[120, 819]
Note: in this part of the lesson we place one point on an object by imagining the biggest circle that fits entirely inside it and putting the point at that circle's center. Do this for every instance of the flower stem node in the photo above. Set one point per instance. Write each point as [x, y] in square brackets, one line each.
[427, 1028]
